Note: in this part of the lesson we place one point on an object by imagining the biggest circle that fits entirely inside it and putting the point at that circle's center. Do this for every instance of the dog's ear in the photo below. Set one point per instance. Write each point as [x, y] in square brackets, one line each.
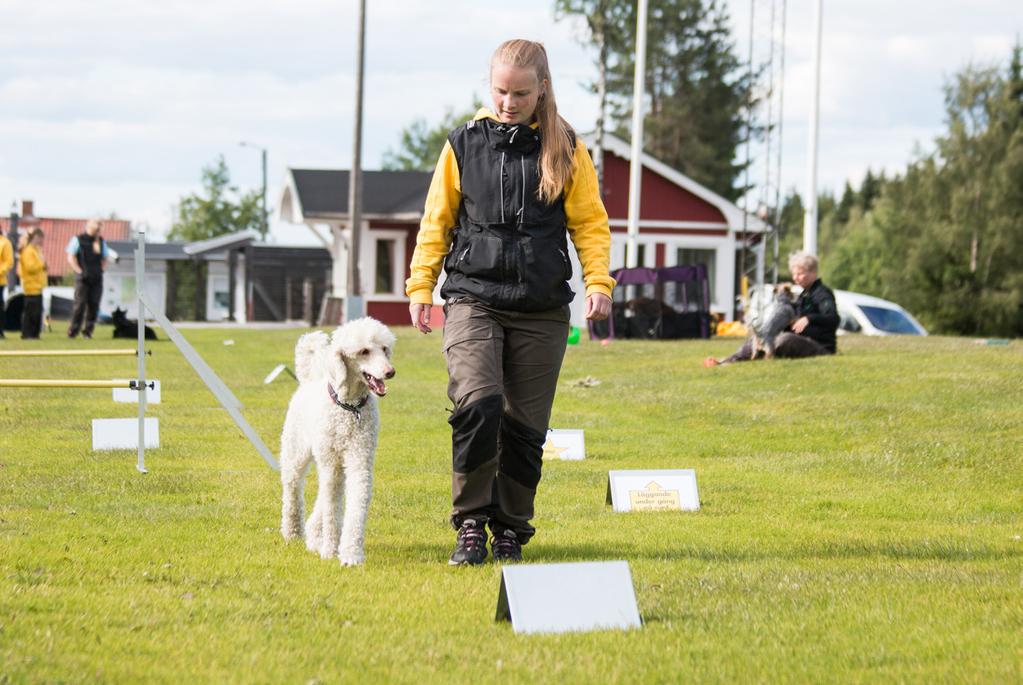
[338, 358]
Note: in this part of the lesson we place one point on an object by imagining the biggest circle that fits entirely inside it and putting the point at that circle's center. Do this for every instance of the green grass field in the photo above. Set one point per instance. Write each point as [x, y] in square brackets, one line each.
[861, 521]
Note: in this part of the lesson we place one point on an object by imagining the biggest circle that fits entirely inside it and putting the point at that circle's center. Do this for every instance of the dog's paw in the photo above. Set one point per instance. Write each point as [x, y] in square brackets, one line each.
[290, 534]
[351, 559]
[327, 552]
[313, 537]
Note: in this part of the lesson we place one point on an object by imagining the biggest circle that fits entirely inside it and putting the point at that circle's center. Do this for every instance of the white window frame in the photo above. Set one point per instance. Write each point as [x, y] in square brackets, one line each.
[368, 266]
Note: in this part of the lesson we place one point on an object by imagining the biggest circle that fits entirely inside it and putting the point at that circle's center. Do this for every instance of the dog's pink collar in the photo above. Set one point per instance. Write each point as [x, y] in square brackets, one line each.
[354, 408]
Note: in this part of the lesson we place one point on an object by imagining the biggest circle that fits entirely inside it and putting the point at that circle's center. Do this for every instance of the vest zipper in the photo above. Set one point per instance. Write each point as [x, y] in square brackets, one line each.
[522, 210]
[502, 187]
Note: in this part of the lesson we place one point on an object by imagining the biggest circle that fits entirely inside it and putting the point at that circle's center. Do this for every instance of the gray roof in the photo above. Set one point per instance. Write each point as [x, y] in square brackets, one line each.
[325, 191]
[176, 251]
[221, 242]
[157, 251]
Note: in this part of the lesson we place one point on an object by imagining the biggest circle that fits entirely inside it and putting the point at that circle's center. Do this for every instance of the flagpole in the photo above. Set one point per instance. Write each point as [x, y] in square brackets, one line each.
[636, 163]
[810, 217]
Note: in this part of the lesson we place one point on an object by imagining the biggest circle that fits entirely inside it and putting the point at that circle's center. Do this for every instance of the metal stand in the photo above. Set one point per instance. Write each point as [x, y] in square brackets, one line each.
[140, 274]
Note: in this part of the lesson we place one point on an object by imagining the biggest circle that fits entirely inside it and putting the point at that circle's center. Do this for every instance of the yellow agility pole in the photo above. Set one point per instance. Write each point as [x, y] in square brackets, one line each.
[58, 383]
[129, 352]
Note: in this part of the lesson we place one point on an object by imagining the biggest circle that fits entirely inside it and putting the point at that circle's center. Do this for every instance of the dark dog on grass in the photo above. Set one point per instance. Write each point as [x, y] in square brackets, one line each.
[128, 328]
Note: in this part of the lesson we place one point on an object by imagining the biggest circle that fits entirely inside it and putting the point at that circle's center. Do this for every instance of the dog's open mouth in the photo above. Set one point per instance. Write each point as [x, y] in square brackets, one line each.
[375, 384]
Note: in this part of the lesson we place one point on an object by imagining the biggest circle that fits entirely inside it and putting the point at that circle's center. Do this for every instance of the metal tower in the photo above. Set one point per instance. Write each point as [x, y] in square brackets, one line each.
[763, 145]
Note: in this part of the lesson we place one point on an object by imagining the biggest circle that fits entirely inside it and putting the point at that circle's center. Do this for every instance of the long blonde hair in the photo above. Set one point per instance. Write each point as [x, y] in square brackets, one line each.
[556, 135]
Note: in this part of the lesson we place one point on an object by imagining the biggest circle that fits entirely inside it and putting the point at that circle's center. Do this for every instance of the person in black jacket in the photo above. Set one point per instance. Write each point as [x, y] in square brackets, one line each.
[87, 257]
[817, 311]
[813, 331]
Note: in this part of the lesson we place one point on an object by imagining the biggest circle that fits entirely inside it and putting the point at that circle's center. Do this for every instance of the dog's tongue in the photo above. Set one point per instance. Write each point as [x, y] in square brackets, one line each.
[376, 385]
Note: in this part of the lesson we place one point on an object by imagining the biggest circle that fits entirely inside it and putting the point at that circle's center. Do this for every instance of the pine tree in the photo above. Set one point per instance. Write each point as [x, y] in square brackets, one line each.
[696, 89]
[845, 205]
[870, 188]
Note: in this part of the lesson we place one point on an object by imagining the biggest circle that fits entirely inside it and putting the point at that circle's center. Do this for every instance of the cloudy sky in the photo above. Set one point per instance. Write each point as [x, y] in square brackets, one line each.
[114, 107]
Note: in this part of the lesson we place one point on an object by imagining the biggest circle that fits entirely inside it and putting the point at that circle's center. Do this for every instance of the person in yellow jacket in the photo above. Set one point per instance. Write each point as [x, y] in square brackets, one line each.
[32, 272]
[510, 186]
[6, 262]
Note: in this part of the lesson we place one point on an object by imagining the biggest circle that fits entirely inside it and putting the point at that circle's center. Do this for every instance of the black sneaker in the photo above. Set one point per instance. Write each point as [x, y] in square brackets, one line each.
[471, 545]
[506, 546]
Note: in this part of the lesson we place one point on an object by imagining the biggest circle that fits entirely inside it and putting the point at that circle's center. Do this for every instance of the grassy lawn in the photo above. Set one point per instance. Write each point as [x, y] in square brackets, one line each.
[862, 521]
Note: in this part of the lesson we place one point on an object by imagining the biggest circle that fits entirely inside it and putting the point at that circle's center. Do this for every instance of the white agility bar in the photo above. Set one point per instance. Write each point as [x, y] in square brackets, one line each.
[131, 352]
[63, 383]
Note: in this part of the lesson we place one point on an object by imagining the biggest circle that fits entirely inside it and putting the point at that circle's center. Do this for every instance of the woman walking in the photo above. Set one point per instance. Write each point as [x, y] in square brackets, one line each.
[507, 187]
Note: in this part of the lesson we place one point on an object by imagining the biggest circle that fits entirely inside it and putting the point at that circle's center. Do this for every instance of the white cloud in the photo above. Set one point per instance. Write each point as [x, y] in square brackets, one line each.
[115, 106]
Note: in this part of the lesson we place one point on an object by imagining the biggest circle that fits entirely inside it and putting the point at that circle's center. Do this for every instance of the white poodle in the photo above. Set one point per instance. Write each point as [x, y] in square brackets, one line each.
[333, 419]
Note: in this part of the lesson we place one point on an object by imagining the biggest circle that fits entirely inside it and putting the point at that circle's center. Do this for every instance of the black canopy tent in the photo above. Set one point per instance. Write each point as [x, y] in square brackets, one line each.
[668, 303]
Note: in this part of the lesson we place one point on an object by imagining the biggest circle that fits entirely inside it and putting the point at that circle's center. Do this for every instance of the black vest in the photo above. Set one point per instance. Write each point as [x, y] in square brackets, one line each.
[510, 249]
[90, 260]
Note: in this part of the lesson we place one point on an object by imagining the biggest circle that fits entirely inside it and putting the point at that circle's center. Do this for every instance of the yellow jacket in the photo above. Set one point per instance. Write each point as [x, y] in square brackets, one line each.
[587, 224]
[6, 258]
[31, 270]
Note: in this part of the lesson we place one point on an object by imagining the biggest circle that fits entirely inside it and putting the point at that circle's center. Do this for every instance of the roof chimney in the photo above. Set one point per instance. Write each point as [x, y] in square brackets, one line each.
[26, 209]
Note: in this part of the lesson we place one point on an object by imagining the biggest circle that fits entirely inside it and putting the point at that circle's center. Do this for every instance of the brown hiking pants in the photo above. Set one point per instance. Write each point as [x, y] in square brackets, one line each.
[503, 371]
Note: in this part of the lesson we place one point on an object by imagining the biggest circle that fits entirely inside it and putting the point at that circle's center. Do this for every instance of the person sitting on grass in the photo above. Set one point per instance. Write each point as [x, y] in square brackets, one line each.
[813, 332]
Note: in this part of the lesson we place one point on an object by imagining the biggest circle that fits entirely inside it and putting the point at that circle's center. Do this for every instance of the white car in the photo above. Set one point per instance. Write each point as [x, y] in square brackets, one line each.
[871, 315]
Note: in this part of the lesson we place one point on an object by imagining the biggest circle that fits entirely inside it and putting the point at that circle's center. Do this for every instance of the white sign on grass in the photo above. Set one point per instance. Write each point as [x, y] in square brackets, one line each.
[568, 445]
[123, 434]
[277, 370]
[132, 396]
[653, 490]
[558, 598]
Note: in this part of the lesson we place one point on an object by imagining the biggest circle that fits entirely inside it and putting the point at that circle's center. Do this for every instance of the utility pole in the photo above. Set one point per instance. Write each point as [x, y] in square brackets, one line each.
[266, 217]
[636, 163]
[353, 305]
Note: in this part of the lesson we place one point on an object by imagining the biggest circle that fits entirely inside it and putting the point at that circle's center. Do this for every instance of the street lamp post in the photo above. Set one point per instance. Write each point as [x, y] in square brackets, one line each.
[264, 228]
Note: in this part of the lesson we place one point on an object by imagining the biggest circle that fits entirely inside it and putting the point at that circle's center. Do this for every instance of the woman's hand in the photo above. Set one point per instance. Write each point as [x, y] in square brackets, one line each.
[598, 306]
[800, 324]
[421, 316]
